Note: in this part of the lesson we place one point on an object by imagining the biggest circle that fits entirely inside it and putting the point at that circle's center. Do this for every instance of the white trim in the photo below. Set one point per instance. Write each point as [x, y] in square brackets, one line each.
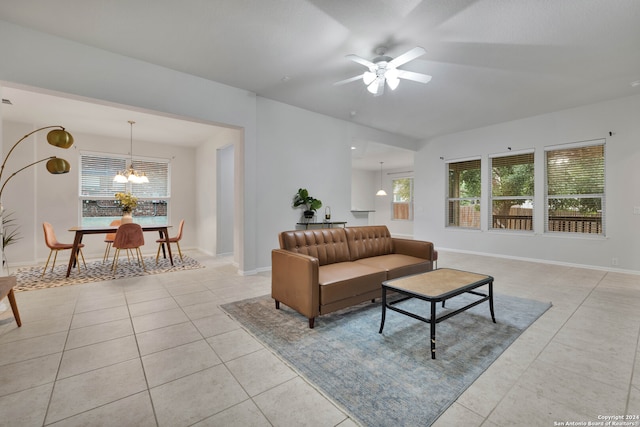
[463, 159]
[540, 261]
[512, 153]
[580, 144]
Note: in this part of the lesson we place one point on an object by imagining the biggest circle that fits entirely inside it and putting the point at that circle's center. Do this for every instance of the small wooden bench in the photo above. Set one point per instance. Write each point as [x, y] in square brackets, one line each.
[6, 290]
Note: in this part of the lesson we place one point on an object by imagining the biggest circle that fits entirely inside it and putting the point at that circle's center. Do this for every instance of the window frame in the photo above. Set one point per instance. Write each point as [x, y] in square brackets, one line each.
[475, 201]
[84, 197]
[408, 203]
[573, 229]
[530, 222]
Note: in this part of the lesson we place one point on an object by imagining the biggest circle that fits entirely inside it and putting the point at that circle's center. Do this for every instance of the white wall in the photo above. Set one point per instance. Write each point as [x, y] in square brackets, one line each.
[383, 210]
[36, 196]
[225, 205]
[296, 149]
[284, 148]
[585, 123]
[68, 67]
[363, 189]
[293, 147]
[206, 187]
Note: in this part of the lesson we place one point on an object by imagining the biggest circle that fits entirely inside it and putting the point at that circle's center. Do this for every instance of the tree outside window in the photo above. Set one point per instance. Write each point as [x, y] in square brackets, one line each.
[402, 199]
[575, 189]
[463, 201]
[512, 189]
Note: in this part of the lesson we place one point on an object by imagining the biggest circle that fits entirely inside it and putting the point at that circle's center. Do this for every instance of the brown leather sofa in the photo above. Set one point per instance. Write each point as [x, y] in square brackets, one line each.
[323, 270]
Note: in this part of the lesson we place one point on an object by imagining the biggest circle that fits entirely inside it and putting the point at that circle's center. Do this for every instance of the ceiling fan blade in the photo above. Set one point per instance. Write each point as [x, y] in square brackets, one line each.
[416, 77]
[349, 80]
[406, 57]
[355, 58]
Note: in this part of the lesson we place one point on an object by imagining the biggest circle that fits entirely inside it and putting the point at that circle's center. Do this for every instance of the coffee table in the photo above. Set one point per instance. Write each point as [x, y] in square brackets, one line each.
[437, 286]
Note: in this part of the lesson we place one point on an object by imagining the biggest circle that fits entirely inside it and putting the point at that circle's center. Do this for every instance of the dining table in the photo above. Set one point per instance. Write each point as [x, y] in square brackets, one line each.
[80, 231]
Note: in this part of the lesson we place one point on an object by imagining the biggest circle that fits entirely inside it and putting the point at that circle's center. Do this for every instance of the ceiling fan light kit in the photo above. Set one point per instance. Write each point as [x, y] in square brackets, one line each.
[384, 70]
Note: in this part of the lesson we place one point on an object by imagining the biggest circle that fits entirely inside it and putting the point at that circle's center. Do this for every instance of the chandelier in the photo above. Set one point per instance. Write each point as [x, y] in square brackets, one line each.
[130, 174]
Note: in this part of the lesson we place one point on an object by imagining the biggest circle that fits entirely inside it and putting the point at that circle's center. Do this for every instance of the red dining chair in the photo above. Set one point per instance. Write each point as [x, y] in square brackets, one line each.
[176, 239]
[108, 239]
[128, 236]
[52, 243]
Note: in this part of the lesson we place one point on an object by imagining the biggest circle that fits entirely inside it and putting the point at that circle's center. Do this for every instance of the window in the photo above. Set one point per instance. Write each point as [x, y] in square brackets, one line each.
[575, 189]
[402, 199]
[97, 189]
[463, 202]
[512, 186]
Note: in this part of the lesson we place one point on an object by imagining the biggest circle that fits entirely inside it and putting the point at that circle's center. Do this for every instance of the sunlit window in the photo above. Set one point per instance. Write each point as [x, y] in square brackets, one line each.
[575, 189]
[97, 190]
[463, 201]
[402, 199]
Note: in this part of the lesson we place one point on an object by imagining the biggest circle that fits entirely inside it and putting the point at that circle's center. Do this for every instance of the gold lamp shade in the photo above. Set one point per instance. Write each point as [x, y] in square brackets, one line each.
[59, 138]
[58, 166]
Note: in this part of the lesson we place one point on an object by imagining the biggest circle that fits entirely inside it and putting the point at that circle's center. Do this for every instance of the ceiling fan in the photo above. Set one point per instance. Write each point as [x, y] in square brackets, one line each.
[385, 69]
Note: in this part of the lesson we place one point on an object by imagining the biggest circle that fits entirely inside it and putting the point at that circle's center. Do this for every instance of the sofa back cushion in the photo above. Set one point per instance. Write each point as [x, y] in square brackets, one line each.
[368, 241]
[329, 245]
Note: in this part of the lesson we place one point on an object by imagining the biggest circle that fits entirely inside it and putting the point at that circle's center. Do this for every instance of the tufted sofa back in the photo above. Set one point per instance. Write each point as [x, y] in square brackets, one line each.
[369, 241]
[329, 245]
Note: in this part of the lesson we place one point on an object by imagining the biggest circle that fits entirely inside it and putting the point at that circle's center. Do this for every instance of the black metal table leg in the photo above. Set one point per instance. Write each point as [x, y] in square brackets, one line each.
[432, 322]
[384, 308]
[493, 317]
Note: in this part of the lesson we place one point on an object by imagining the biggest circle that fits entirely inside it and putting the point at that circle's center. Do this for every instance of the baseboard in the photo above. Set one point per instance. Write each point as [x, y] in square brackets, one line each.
[541, 261]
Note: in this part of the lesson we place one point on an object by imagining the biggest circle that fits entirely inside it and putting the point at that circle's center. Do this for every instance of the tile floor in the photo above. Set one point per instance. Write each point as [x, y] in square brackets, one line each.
[157, 350]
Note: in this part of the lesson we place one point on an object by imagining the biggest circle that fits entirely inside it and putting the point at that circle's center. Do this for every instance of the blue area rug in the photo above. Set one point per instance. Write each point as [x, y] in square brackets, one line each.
[389, 379]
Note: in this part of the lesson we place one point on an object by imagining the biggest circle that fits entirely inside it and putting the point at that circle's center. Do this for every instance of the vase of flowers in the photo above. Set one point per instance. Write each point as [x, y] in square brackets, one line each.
[128, 202]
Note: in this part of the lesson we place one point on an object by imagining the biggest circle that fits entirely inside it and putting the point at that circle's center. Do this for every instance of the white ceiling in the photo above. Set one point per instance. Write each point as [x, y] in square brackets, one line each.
[491, 60]
[99, 118]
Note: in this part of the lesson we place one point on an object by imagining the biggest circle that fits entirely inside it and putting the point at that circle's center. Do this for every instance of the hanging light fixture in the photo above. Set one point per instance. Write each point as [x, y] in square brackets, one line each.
[130, 174]
[381, 192]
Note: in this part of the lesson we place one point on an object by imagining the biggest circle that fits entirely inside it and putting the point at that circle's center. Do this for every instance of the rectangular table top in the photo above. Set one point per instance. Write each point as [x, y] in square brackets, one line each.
[113, 228]
[438, 284]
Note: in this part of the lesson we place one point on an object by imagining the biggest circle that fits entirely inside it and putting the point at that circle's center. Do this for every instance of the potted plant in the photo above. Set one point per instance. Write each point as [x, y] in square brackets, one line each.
[128, 202]
[11, 233]
[304, 200]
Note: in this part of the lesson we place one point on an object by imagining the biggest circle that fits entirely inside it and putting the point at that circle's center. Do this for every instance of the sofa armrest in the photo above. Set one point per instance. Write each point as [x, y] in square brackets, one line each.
[294, 281]
[416, 248]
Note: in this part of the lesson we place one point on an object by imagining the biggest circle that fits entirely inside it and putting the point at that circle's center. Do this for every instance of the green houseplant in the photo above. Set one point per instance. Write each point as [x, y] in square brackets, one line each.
[302, 199]
[11, 233]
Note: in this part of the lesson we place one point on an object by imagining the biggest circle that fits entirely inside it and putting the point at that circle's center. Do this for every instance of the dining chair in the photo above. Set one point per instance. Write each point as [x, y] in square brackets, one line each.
[128, 236]
[108, 239]
[175, 240]
[52, 243]
[6, 290]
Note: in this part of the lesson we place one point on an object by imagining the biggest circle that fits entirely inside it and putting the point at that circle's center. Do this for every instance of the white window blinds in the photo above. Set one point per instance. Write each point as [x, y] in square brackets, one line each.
[575, 189]
[97, 172]
[512, 188]
[96, 175]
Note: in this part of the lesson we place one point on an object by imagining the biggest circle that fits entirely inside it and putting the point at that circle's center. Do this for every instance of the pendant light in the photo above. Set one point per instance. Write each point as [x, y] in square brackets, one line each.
[130, 174]
[381, 192]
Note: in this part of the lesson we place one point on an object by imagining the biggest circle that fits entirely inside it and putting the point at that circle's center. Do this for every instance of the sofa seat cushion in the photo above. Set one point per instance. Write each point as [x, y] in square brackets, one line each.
[397, 265]
[346, 279]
